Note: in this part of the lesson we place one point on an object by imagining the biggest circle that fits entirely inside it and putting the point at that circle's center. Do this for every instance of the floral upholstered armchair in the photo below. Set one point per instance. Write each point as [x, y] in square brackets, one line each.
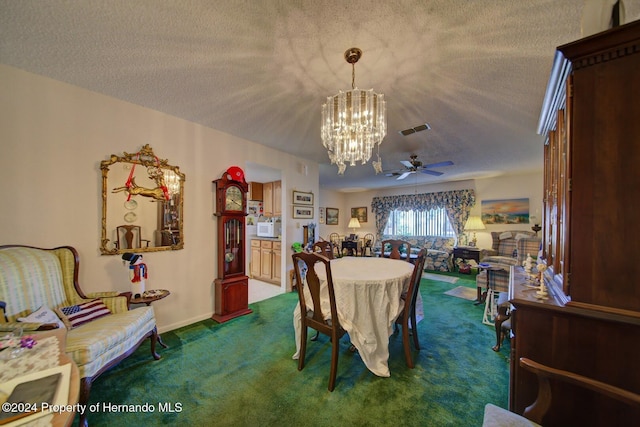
[439, 250]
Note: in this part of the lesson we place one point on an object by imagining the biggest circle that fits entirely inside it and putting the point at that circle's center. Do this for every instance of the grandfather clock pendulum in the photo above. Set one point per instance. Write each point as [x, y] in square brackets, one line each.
[232, 284]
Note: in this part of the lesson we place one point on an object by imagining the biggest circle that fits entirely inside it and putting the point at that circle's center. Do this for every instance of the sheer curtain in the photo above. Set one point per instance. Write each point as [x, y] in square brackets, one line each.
[457, 204]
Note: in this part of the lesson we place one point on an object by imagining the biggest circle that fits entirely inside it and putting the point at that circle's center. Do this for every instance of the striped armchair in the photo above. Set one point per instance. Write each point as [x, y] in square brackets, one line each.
[33, 278]
[509, 248]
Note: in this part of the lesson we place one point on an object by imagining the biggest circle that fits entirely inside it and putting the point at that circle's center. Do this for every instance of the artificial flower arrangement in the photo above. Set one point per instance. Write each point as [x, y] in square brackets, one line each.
[11, 340]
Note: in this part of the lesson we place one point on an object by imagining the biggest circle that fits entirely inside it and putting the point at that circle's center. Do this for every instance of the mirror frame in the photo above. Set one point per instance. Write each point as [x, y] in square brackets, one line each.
[145, 157]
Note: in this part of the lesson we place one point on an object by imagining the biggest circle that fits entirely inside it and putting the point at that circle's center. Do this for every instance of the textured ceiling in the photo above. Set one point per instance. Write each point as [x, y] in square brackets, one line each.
[476, 71]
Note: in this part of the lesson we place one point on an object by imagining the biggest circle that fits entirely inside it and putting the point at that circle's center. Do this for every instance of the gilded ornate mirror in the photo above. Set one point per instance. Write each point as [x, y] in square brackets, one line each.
[142, 202]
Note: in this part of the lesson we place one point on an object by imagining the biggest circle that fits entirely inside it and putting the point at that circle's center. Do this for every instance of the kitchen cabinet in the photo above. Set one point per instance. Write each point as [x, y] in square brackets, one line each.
[277, 198]
[266, 258]
[255, 191]
[255, 259]
[272, 198]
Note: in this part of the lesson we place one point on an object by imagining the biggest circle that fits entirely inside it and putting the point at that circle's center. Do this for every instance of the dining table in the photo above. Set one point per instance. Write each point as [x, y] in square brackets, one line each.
[368, 301]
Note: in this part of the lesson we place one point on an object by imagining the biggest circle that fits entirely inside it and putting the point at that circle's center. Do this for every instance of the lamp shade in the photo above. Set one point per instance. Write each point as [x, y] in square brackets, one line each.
[474, 223]
[354, 223]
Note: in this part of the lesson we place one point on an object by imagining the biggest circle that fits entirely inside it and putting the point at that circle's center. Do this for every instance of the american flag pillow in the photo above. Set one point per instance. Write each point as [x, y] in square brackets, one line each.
[76, 315]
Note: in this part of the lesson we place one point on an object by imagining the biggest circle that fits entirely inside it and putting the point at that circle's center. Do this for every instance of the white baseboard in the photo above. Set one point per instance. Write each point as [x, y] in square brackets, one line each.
[166, 328]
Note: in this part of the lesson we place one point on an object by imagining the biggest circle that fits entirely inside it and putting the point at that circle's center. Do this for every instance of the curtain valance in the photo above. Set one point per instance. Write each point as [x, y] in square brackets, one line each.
[457, 204]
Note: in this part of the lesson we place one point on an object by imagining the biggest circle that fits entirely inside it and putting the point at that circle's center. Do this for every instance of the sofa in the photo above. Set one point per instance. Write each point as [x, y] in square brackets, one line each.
[34, 281]
[508, 248]
[439, 250]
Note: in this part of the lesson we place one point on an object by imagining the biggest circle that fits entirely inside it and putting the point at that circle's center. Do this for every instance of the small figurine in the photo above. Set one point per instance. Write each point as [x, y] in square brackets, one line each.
[528, 263]
[137, 273]
[542, 293]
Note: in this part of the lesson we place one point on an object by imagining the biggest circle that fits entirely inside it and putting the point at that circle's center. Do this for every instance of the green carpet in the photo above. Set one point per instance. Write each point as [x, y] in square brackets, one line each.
[240, 373]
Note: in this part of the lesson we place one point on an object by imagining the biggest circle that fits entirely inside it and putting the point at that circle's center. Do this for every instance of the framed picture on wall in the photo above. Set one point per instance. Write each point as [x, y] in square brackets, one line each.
[301, 198]
[332, 216]
[302, 212]
[360, 213]
[505, 211]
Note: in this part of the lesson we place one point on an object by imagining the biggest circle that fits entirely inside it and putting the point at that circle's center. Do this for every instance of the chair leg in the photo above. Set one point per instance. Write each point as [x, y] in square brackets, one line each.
[405, 344]
[499, 320]
[335, 347]
[414, 326]
[303, 347]
[85, 389]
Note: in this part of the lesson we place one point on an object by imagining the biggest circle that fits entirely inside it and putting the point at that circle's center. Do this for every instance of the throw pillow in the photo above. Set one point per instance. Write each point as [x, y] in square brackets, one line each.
[522, 236]
[505, 235]
[42, 315]
[76, 315]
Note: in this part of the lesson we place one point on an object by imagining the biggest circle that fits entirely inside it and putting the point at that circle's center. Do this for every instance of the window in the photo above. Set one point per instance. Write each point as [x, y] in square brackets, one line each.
[434, 222]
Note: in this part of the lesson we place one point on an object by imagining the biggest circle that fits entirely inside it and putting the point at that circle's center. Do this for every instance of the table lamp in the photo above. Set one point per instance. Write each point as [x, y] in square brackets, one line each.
[353, 224]
[474, 223]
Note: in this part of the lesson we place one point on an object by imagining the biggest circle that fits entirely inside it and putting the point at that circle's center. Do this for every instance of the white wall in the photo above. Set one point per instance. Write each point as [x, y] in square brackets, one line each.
[53, 138]
[503, 187]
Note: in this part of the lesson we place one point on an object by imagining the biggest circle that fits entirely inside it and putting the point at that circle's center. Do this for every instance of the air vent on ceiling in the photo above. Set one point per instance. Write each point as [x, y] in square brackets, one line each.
[415, 129]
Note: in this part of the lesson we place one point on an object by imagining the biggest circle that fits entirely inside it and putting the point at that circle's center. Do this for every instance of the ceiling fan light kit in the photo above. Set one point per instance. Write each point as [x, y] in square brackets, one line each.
[353, 122]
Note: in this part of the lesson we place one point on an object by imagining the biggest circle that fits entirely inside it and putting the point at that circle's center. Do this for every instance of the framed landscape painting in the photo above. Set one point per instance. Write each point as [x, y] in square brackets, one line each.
[332, 216]
[505, 211]
[360, 213]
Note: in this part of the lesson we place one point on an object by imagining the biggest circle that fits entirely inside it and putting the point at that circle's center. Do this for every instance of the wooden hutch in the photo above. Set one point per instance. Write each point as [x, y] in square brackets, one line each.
[591, 323]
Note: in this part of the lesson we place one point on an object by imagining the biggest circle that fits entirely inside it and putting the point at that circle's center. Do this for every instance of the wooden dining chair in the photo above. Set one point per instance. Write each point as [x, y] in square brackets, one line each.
[323, 247]
[334, 238]
[130, 237]
[368, 242]
[395, 248]
[495, 416]
[311, 311]
[408, 315]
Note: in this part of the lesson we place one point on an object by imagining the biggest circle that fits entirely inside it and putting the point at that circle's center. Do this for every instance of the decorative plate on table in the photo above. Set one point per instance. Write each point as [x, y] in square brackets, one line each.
[130, 216]
[131, 204]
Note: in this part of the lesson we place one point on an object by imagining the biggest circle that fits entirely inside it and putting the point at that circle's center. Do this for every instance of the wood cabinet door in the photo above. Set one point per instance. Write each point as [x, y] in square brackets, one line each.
[266, 262]
[255, 191]
[267, 196]
[277, 262]
[277, 198]
[255, 261]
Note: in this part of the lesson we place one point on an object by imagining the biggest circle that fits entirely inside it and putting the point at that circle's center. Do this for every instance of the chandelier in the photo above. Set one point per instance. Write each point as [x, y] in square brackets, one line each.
[353, 122]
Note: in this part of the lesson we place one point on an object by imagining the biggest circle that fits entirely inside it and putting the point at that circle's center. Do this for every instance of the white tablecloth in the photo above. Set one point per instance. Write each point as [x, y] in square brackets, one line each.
[368, 301]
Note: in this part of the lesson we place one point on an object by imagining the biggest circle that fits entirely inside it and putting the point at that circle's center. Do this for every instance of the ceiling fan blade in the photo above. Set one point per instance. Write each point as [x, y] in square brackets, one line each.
[437, 165]
[407, 163]
[404, 175]
[430, 172]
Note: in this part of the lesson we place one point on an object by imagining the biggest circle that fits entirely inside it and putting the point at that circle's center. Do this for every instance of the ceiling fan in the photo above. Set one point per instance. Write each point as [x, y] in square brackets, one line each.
[414, 165]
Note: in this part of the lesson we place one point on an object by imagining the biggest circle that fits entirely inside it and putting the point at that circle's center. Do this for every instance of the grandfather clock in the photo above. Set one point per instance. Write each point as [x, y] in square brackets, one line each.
[232, 284]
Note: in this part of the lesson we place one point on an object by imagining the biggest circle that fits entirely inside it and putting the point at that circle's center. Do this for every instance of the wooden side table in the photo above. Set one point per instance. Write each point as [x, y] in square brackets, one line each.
[351, 246]
[466, 252]
[151, 296]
